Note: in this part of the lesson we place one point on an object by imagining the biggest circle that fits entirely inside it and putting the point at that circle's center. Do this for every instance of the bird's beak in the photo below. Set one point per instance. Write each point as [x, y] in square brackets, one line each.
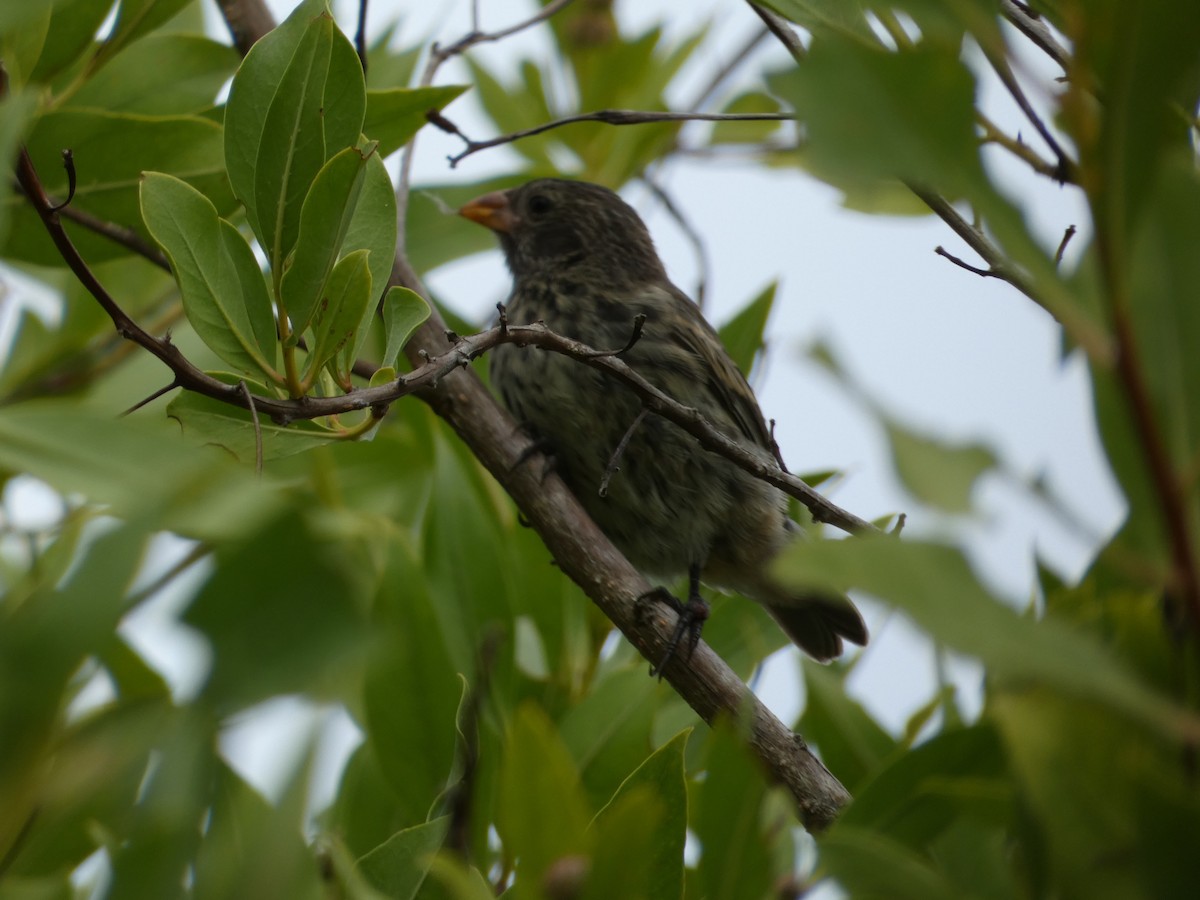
[492, 210]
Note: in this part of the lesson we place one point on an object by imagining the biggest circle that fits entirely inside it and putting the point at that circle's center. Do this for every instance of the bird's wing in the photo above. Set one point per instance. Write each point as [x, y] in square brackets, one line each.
[732, 397]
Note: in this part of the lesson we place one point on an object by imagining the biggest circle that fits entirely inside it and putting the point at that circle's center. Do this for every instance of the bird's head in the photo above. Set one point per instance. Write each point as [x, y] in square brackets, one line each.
[556, 226]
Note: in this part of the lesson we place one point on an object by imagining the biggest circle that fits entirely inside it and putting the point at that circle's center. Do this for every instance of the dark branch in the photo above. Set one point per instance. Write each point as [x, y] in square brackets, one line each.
[1037, 32]
[985, 273]
[614, 117]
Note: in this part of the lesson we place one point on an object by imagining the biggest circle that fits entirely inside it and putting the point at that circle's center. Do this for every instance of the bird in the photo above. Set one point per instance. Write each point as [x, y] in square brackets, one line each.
[583, 263]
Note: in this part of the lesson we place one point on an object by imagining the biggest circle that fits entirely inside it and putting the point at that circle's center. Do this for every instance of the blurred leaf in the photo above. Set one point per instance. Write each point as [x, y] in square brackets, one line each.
[935, 586]
[918, 795]
[252, 849]
[436, 236]
[852, 744]
[399, 865]
[736, 861]
[222, 287]
[133, 467]
[111, 151]
[541, 814]
[199, 67]
[828, 16]
[280, 629]
[744, 335]
[936, 472]
[209, 421]
[42, 642]
[412, 690]
[1083, 773]
[660, 777]
[868, 118]
[609, 730]
[135, 18]
[394, 116]
[324, 221]
[15, 111]
[870, 864]
[72, 29]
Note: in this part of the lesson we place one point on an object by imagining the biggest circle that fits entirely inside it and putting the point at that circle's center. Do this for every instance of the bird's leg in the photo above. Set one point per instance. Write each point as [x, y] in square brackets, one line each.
[690, 622]
[538, 445]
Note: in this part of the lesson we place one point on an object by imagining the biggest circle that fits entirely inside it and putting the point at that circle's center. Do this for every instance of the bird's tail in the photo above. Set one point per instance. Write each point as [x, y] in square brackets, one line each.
[819, 624]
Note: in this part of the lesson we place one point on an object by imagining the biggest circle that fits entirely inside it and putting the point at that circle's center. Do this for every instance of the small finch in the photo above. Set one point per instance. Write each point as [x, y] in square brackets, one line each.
[583, 262]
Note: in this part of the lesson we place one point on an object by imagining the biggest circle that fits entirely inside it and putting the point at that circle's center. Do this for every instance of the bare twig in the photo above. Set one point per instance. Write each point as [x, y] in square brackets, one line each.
[614, 461]
[689, 231]
[69, 165]
[1037, 32]
[615, 117]
[258, 443]
[992, 134]
[782, 29]
[986, 273]
[1065, 169]
[1062, 245]
[360, 36]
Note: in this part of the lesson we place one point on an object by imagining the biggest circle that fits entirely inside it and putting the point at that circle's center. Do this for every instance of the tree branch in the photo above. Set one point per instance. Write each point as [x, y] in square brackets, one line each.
[1036, 30]
[613, 117]
[586, 555]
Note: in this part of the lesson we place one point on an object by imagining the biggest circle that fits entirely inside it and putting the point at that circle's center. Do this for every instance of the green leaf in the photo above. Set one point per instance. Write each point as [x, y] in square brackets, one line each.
[661, 777]
[111, 151]
[15, 111]
[210, 259]
[404, 311]
[315, 113]
[304, 630]
[211, 422]
[135, 18]
[412, 687]
[347, 296]
[373, 229]
[867, 115]
[736, 861]
[870, 864]
[398, 866]
[73, 27]
[324, 221]
[937, 588]
[541, 814]
[252, 845]
[199, 67]
[834, 17]
[920, 794]
[394, 116]
[936, 472]
[852, 744]
[74, 449]
[743, 335]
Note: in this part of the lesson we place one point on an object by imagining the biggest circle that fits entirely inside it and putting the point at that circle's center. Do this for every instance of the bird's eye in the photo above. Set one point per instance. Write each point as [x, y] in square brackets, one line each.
[539, 203]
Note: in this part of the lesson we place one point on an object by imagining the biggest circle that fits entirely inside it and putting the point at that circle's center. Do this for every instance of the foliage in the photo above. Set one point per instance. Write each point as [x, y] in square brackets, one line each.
[502, 745]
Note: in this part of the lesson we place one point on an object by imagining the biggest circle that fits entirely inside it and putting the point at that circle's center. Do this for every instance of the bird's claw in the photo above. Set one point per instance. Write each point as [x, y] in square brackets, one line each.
[690, 620]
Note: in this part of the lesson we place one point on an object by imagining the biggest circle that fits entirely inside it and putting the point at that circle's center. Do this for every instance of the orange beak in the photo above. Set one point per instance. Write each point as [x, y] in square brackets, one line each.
[492, 210]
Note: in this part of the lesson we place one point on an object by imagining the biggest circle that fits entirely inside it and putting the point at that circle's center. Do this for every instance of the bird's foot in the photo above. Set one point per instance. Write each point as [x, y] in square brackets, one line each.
[538, 446]
[690, 620]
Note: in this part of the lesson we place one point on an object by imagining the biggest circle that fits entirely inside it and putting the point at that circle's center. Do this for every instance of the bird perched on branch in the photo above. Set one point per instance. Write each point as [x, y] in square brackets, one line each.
[583, 262]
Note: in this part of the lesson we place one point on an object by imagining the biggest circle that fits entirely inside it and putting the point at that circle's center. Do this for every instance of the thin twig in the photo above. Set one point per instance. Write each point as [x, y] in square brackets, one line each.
[782, 29]
[1036, 31]
[985, 273]
[993, 134]
[69, 165]
[615, 460]
[166, 389]
[1065, 169]
[1062, 245]
[694, 237]
[258, 442]
[360, 36]
[615, 117]
[719, 77]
